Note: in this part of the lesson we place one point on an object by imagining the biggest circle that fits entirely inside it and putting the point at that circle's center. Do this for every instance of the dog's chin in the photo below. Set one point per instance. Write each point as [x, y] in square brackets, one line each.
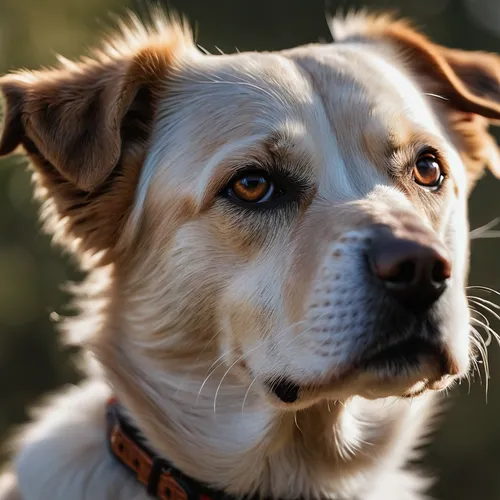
[404, 370]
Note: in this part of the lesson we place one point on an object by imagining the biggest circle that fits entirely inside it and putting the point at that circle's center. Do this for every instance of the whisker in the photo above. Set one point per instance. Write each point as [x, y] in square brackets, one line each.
[478, 341]
[258, 346]
[248, 392]
[203, 49]
[486, 324]
[436, 95]
[195, 362]
[482, 325]
[488, 235]
[484, 231]
[488, 329]
[293, 325]
[476, 362]
[222, 379]
[484, 301]
[478, 313]
[487, 306]
[484, 288]
[296, 423]
[220, 360]
[475, 369]
[208, 376]
[223, 355]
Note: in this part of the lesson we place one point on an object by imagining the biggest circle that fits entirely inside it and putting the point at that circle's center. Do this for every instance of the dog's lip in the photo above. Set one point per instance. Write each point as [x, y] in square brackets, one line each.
[410, 353]
[433, 385]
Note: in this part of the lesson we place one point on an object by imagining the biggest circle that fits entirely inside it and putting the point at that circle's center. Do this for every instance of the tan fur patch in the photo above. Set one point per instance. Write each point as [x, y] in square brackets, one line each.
[465, 84]
[86, 127]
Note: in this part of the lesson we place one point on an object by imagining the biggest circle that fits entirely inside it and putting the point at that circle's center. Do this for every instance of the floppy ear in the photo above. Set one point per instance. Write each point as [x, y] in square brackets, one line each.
[466, 84]
[73, 116]
[86, 128]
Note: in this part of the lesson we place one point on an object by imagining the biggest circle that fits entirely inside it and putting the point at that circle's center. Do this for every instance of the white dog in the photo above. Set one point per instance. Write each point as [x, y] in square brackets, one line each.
[277, 244]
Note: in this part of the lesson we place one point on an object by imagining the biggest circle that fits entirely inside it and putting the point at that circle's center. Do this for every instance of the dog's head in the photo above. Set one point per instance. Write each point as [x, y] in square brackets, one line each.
[299, 215]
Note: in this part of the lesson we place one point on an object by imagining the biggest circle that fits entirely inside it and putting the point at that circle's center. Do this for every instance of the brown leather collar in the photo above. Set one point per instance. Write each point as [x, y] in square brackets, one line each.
[161, 479]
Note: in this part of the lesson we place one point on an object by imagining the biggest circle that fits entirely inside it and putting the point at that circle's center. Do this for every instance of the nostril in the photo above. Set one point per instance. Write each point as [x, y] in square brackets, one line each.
[412, 271]
[403, 273]
[441, 271]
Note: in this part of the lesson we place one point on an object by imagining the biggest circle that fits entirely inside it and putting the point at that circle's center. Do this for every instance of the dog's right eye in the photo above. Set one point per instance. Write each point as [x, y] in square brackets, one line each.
[427, 171]
[253, 187]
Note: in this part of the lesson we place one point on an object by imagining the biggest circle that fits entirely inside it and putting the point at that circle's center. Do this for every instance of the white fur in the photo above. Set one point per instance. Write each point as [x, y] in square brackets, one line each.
[197, 298]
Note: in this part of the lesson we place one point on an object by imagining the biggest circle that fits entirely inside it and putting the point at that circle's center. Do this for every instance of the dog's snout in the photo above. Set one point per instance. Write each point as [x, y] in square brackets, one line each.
[413, 271]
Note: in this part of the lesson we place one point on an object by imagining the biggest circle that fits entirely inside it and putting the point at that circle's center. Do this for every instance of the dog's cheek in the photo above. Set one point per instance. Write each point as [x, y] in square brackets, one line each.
[456, 331]
[200, 267]
[251, 314]
[457, 235]
[176, 287]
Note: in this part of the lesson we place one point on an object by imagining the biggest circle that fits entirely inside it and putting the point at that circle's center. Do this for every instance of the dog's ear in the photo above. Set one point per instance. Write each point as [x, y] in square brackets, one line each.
[72, 118]
[465, 84]
[85, 127]
[468, 84]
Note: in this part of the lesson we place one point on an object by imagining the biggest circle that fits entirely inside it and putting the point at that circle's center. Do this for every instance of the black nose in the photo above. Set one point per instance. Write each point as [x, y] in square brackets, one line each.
[413, 271]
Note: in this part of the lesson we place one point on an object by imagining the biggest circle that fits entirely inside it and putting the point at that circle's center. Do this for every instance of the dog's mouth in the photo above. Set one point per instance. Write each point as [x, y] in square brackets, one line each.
[285, 390]
[402, 355]
[423, 364]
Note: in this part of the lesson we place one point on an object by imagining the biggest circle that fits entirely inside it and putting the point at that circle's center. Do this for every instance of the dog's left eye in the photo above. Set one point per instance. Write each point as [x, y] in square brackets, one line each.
[427, 171]
[253, 187]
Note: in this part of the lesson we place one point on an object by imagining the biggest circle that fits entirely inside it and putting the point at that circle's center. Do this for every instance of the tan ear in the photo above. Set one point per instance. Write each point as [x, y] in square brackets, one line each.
[86, 128]
[467, 83]
[72, 116]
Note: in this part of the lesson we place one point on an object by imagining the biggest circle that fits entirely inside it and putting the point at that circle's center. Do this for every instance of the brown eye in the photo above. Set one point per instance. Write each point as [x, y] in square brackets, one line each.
[427, 171]
[252, 188]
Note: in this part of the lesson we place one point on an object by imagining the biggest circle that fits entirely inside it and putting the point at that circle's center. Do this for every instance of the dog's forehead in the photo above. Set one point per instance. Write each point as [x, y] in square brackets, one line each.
[352, 83]
[363, 75]
[340, 105]
[373, 107]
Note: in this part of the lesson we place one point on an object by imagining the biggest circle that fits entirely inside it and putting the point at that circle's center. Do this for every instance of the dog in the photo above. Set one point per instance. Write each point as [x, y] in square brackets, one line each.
[277, 254]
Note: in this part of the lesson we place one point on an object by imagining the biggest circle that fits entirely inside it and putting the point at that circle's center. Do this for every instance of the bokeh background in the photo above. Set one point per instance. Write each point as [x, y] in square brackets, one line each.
[465, 452]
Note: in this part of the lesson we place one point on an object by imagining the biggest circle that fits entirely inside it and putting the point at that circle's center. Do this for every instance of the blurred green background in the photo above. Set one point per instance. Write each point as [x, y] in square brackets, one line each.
[466, 450]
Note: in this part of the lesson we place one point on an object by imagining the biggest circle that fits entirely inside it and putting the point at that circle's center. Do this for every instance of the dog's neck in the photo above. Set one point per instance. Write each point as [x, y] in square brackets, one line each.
[223, 434]
[201, 417]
